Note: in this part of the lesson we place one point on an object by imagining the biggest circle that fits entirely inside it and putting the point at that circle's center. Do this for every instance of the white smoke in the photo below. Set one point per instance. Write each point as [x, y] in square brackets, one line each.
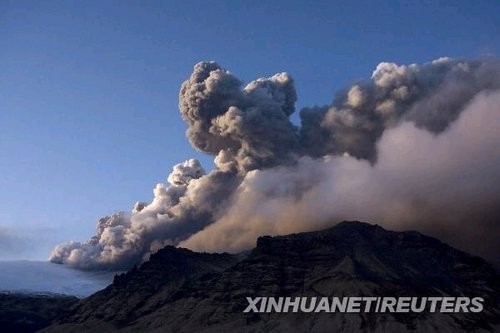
[414, 147]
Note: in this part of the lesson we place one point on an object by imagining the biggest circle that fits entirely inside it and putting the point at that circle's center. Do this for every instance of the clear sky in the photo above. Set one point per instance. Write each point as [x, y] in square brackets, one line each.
[89, 121]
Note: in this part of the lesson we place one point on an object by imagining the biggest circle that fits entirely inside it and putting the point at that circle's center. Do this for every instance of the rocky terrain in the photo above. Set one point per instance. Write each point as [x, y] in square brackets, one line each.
[178, 290]
[29, 312]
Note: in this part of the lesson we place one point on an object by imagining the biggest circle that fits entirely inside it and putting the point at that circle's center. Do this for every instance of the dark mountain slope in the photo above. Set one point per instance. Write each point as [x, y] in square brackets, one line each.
[142, 291]
[182, 291]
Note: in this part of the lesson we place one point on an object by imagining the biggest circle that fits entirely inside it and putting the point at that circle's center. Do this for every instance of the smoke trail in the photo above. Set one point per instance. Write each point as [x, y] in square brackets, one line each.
[413, 147]
[176, 212]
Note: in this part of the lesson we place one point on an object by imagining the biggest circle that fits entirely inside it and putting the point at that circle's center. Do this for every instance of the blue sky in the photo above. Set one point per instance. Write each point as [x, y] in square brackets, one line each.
[89, 89]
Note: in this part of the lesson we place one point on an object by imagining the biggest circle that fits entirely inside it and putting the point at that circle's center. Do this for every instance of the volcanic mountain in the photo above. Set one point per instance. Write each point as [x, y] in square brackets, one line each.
[178, 290]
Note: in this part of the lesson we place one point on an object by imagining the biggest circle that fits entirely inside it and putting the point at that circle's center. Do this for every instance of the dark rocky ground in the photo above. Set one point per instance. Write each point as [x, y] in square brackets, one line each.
[23, 313]
[178, 290]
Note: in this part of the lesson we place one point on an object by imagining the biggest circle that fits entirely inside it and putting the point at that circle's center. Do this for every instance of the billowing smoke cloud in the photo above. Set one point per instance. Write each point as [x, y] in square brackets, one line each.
[447, 185]
[414, 147]
[177, 211]
[246, 128]
[432, 96]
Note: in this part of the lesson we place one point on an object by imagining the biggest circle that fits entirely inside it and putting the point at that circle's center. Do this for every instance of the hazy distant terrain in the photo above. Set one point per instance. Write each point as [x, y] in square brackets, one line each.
[34, 293]
[43, 276]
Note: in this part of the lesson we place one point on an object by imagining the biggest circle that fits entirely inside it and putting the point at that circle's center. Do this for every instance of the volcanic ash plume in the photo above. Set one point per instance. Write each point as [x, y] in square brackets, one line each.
[414, 147]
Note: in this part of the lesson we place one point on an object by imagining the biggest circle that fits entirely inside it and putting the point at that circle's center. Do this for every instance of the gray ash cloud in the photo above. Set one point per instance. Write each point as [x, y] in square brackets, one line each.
[414, 147]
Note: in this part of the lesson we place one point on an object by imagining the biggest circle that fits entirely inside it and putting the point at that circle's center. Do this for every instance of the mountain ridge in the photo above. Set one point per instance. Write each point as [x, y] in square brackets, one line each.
[179, 290]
